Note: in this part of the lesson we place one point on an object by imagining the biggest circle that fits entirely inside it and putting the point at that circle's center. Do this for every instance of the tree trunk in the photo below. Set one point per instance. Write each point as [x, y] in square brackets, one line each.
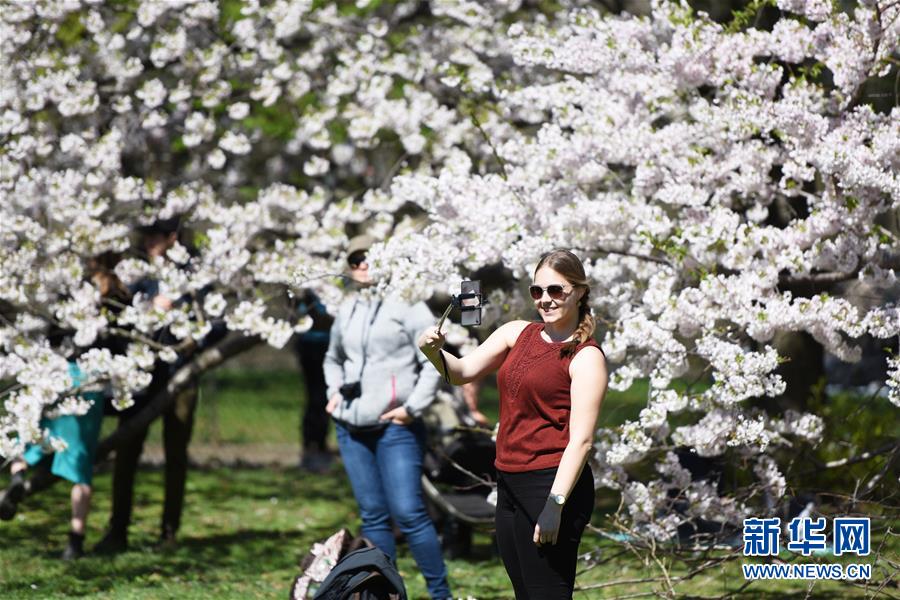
[805, 367]
[202, 362]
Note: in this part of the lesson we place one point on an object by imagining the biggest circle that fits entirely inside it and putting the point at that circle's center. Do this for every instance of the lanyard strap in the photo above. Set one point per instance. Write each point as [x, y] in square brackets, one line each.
[444, 363]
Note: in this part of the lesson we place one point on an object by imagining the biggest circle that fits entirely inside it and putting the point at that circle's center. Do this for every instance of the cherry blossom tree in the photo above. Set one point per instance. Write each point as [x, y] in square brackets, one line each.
[270, 131]
[703, 171]
[667, 150]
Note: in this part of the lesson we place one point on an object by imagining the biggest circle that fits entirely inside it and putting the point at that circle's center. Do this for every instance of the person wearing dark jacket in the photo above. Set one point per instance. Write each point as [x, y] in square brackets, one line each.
[310, 348]
[178, 421]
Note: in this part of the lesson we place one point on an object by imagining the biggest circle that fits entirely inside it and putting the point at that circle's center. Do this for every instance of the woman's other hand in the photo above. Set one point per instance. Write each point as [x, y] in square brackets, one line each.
[470, 396]
[431, 341]
[398, 416]
[333, 404]
[162, 302]
[480, 418]
[546, 530]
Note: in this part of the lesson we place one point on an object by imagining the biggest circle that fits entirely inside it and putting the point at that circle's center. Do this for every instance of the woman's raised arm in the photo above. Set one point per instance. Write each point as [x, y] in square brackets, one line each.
[486, 358]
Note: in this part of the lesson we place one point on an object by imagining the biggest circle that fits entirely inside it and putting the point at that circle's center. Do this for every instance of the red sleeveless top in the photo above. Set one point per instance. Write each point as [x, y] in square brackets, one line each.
[535, 403]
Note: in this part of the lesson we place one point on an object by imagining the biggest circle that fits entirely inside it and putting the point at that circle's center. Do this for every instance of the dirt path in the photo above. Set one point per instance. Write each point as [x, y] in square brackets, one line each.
[230, 455]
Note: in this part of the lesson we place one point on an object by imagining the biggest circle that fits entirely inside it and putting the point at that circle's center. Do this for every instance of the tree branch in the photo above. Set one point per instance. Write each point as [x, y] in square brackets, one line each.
[888, 466]
[202, 362]
[646, 257]
[671, 581]
[861, 457]
[834, 277]
[818, 278]
[127, 333]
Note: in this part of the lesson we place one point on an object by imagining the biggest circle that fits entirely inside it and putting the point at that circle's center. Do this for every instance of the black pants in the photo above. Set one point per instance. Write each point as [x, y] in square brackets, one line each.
[178, 423]
[314, 429]
[545, 572]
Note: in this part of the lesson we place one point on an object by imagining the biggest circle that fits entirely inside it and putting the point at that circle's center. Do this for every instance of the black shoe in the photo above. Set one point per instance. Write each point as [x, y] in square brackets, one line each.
[167, 539]
[75, 547]
[9, 501]
[317, 462]
[114, 541]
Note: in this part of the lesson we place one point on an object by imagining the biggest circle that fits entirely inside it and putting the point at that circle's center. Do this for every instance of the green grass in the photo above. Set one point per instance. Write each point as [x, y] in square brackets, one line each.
[244, 407]
[245, 529]
[243, 534]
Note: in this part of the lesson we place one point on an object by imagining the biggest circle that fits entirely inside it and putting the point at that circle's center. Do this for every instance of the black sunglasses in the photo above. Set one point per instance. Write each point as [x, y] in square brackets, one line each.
[356, 259]
[555, 291]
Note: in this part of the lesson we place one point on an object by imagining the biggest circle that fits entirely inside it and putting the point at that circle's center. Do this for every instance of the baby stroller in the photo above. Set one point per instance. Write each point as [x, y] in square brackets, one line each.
[458, 464]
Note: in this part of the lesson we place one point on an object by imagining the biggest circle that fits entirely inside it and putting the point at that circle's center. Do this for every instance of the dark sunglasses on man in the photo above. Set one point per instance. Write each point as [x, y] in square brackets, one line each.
[555, 291]
[356, 259]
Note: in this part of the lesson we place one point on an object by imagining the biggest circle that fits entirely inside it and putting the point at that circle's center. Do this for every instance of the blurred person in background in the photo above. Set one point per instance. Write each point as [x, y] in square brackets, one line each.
[178, 418]
[80, 433]
[377, 390]
[310, 349]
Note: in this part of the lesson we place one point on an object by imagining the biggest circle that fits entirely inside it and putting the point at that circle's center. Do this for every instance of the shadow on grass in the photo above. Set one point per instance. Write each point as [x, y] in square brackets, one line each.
[281, 483]
[243, 534]
[244, 554]
[755, 592]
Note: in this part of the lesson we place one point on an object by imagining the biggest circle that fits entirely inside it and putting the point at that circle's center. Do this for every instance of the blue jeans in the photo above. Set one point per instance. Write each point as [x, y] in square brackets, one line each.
[385, 470]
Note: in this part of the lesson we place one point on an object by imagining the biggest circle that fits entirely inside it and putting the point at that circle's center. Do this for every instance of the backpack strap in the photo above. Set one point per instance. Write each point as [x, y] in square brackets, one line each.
[365, 566]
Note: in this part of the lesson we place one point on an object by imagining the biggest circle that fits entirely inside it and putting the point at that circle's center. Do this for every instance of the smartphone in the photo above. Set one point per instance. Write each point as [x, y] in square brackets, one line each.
[470, 303]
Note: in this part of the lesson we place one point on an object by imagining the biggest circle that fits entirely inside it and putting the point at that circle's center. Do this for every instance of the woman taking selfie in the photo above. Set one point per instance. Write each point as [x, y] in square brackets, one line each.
[377, 387]
[552, 377]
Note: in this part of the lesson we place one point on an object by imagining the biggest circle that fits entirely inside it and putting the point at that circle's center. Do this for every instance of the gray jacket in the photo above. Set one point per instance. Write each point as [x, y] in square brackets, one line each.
[395, 373]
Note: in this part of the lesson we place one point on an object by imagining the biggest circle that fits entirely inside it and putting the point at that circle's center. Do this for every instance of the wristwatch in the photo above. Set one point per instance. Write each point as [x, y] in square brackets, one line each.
[558, 499]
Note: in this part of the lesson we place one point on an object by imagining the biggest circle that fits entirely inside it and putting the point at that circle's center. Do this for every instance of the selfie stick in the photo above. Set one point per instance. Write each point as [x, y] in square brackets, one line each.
[444, 316]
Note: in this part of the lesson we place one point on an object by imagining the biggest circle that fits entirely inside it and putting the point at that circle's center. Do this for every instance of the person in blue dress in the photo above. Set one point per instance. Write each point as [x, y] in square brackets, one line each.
[74, 464]
[80, 433]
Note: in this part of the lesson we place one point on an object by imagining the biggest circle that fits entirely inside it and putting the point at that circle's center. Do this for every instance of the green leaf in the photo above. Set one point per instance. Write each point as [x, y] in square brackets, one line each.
[276, 121]
[71, 30]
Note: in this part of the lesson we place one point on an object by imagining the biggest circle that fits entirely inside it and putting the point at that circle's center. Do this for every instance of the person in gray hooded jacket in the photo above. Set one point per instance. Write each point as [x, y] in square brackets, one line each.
[377, 388]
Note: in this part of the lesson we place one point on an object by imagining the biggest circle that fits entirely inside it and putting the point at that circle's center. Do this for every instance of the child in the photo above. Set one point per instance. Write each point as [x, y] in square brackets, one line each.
[80, 433]
[75, 464]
